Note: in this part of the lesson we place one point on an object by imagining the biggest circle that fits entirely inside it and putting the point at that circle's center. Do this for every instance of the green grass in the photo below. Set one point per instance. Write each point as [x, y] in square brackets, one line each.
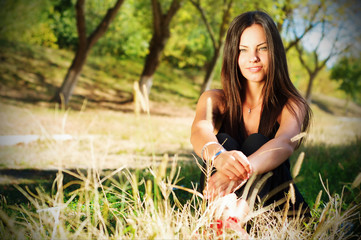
[338, 166]
[32, 74]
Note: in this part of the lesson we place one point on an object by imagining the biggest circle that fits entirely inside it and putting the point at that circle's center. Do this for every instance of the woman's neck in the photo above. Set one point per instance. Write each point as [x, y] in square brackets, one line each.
[254, 93]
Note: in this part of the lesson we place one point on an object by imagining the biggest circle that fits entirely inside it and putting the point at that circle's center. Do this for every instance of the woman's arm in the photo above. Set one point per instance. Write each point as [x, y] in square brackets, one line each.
[269, 156]
[202, 130]
[277, 150]
[231, 163]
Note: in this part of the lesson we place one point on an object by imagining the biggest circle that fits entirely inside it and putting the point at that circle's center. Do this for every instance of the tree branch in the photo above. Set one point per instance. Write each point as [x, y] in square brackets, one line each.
[225, 21]
[175, 5]
[157, 17]
[104, 24]
[80, 22]
[310, 26]
[208, 26]
[287, 10]
[300, 54]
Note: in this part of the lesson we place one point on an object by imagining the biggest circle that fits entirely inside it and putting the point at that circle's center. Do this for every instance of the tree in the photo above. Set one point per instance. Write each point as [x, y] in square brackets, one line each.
[217, 40]
[314, 65]
[161, 34]
[84, 45]
[347, 71]
[288, 10]
[329, 30]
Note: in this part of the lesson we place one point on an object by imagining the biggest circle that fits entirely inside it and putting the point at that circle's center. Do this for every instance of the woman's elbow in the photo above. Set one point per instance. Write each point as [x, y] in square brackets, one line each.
[290, 148]
[193, 136]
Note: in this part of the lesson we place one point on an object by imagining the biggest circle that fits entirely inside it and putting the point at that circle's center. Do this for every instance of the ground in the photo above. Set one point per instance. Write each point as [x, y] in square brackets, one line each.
[109, 139]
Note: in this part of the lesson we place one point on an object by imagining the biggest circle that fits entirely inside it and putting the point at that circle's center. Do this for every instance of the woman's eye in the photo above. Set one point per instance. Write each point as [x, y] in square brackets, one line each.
[242, 50]
[263, 49]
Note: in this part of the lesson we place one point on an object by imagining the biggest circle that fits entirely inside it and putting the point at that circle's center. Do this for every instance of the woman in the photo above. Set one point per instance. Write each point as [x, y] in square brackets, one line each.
[255, 115]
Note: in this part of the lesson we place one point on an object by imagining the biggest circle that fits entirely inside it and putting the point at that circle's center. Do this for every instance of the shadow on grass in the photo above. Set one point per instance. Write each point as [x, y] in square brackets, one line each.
[34, 179]
[323, 106]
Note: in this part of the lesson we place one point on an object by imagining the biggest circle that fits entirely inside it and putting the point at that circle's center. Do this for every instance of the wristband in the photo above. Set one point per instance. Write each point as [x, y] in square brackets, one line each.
[217, 154]
[206, 145]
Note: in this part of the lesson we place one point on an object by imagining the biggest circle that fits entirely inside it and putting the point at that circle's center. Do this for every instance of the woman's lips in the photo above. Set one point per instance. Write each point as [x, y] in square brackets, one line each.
[254, 69]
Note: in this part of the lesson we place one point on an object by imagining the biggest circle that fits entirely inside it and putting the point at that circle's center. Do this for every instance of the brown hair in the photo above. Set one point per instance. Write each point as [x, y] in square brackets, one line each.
[278, 88]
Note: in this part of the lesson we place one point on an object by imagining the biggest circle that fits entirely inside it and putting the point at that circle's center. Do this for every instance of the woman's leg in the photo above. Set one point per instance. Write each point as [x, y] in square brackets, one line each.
[277, 185]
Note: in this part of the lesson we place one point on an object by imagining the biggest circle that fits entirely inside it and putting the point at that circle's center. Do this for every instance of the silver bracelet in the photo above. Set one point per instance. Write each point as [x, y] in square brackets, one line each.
[206, 145]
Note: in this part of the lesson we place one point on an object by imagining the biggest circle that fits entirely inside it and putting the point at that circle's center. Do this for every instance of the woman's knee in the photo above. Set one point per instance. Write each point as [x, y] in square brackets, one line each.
[253, 142]
[228, 142]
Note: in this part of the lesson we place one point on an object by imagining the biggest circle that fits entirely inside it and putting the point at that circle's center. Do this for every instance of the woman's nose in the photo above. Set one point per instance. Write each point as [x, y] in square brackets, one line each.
[253, 58]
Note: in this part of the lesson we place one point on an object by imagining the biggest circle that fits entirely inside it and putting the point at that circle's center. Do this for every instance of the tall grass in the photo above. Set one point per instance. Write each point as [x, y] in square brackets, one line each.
[125, 205]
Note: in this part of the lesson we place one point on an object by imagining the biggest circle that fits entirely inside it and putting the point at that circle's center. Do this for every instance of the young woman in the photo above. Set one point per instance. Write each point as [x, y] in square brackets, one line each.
[255, 115]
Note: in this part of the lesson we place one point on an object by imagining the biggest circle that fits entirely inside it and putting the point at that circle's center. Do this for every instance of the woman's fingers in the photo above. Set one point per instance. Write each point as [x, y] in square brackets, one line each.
[243, 160]
[237, 168]
[213, 185]
[233, 164]
[219, 185]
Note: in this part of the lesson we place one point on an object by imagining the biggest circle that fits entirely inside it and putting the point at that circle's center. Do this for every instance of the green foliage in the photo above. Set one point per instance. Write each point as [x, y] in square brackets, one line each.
[348, 73]
[189, 44]
[128, 35]
[64, 24]
[27, 21]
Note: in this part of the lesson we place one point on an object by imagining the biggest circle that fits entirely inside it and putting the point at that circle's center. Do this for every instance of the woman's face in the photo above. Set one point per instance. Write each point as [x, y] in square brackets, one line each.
[253, 54]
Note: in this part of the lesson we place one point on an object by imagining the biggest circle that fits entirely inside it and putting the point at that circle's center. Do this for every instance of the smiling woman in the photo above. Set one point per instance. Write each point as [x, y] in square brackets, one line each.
[254, 116]
[253, 54]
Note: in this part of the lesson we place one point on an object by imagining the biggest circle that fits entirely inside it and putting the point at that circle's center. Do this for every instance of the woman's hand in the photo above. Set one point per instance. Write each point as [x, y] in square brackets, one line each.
[219, 185]
[234, 165]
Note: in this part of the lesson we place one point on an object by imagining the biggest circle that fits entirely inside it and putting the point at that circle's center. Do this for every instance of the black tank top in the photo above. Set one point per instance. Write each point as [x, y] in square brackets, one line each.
[241, 136]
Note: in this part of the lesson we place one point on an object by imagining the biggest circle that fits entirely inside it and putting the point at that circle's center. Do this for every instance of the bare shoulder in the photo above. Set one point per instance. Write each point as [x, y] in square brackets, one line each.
[214, 93]
[217, 98]
[293, 109]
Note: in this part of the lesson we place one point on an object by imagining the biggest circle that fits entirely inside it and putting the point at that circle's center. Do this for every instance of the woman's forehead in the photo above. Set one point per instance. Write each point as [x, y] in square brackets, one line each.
[254, 34]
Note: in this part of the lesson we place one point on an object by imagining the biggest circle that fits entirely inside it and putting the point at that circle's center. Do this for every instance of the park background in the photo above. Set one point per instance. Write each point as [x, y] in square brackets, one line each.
[70, 100]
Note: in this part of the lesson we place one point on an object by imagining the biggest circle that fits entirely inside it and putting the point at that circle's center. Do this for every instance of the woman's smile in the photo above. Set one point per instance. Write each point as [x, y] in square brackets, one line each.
[255, 69]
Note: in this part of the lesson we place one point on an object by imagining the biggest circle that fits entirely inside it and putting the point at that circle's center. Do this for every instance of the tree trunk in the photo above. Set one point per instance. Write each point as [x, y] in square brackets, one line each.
[70, 80]
[210, 71]
[161, 34]
[309, 87]
[347, 104]
[151, 62]
[84, 45]
[217, 45]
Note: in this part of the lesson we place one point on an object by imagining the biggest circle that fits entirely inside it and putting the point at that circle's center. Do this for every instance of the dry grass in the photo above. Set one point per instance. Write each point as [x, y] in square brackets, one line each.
[333, 130]
[139, 208]
[121, 138]
[115, 138]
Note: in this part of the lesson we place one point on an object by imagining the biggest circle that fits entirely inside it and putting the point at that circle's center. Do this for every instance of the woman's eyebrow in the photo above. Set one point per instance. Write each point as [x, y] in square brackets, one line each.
[257, 45]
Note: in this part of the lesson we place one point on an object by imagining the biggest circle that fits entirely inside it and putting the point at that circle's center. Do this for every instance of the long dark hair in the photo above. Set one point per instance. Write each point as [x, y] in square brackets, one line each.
[278, 88]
